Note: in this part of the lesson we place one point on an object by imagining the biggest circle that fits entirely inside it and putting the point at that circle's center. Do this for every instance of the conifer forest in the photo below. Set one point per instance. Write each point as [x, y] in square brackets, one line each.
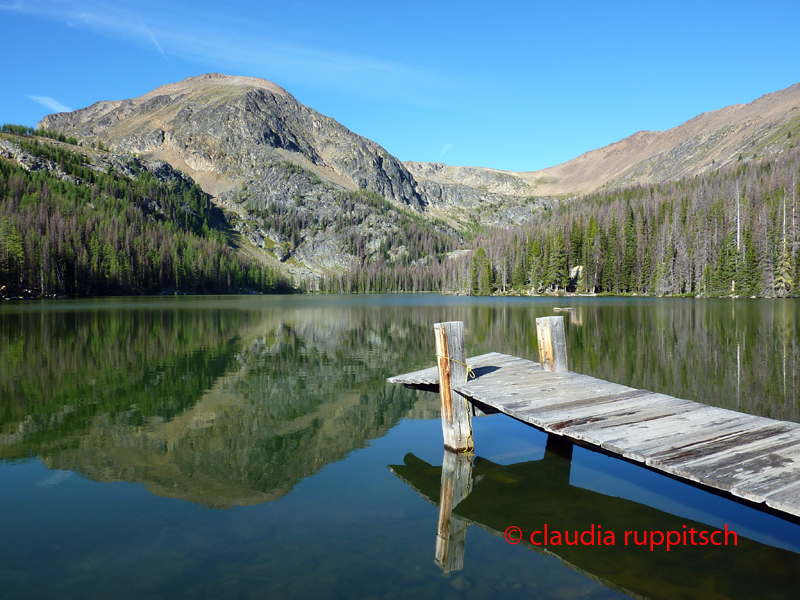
[93, 234]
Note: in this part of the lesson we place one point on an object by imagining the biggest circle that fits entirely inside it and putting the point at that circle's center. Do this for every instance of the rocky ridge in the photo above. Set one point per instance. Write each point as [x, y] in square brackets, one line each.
[227, 131]
[97, 161]
[711, 140]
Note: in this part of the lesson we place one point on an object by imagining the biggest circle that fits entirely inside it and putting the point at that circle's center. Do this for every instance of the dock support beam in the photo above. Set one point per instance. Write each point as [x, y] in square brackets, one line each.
[451, 359]
[552, 344]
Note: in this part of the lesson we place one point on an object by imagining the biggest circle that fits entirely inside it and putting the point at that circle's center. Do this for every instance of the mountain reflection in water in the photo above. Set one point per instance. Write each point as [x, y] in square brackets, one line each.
[217, 407]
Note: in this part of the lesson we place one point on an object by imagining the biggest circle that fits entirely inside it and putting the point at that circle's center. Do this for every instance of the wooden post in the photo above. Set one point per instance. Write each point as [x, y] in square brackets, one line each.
[451, 534]
[451, 359]
[552, 344]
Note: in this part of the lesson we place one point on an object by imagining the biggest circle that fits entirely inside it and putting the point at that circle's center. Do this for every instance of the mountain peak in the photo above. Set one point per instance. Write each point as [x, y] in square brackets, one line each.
[210, 80]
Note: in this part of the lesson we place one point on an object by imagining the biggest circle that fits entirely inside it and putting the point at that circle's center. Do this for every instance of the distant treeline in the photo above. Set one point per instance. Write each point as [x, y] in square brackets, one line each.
[732, 231]
[99, 233]
[25, 130]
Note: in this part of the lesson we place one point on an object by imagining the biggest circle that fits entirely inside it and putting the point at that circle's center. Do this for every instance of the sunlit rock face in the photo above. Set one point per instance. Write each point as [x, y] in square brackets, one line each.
[228, 131]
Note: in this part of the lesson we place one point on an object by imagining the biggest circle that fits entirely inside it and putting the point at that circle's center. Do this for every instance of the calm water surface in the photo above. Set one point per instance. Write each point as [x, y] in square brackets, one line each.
[249, 447]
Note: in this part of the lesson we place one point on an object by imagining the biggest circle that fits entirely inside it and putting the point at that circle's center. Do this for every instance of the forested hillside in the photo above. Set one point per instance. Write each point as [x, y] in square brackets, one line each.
[733, 231]
[67, 228]
[70, 228]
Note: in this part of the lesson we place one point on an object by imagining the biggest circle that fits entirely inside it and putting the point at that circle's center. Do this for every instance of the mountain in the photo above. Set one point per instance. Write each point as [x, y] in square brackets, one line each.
[224, 130]
[304, 192]
[258, 152]
[708, 141]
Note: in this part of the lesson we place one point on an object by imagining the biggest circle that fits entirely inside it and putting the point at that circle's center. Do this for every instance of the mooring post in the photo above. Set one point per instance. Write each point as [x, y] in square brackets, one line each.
[552, 344]
[451, 359]
[451, 533]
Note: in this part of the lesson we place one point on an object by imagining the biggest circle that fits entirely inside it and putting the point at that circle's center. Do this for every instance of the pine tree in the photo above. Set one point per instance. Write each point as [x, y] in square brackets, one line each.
[558, 273]
[628, 272]
[592, 255]
[751, 280]
[481, 283]
[576, 243]
[783, 277]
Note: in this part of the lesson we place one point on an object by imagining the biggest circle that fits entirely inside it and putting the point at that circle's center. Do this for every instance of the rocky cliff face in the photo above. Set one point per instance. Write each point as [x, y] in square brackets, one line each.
[95, 160]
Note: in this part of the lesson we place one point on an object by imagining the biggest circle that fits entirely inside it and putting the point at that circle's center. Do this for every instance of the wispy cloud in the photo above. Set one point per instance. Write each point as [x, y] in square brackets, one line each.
[221, 41]
[445, 149]
[156, 44]
[50, 103]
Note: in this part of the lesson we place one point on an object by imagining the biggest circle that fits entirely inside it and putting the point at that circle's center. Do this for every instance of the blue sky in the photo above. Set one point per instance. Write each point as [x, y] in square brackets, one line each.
[509, 85]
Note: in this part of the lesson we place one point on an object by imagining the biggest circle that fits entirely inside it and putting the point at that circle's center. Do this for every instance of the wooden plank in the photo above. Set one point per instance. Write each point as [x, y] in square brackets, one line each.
[756, 447]
[430, 375]
[750, 470]
[612, 415]
[558, 398]
[685, 430]
[779, 469]
[717, 463]
[573, 396]
[587, 401]
[786, 500]
[425, 376]
[532, 385]
[505, 360]
[757, 430]
[599, 434]
[595, 430]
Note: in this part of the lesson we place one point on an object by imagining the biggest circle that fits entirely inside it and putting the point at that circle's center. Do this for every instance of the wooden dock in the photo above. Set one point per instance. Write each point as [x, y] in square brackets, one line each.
[751, 457]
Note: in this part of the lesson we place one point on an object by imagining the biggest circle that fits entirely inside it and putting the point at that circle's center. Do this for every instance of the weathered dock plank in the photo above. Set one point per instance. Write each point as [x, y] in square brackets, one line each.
[430, 376]
[786, 500]
[751, 457]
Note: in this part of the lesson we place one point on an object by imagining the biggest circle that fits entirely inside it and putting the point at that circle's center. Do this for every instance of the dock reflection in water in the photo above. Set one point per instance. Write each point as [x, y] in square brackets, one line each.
[530, 495]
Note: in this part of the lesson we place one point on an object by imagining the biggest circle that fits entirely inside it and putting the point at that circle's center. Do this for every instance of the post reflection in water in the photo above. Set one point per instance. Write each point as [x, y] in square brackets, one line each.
[451, 532]
[535, 494]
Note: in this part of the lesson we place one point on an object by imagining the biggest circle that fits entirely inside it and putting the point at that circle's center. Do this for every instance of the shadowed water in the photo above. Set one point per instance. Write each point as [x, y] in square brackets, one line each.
[127, 426]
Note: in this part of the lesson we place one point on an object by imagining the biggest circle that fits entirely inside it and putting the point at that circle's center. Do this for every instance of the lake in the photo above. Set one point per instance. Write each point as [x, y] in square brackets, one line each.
[250, 447]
